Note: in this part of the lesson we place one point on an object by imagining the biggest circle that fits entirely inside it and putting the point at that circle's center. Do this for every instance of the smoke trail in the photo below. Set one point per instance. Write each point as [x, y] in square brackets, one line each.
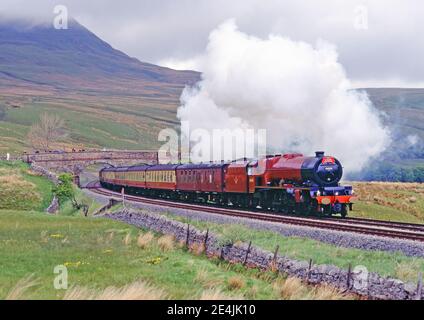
[296, 91]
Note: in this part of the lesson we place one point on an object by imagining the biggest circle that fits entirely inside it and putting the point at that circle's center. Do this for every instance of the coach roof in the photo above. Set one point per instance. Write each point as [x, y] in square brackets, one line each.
[159, 167]
[193, 166]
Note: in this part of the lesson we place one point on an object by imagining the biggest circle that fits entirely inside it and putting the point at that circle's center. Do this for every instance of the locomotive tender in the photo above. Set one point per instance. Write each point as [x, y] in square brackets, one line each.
[289, 183]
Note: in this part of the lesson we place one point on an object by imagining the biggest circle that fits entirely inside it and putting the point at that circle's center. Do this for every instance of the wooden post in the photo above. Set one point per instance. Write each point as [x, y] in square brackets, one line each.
[274, 259]
[419, 286]
[123, 197]
[188, 234]
[309, 271]
[349, 271]
[247, 252]
[206, 239]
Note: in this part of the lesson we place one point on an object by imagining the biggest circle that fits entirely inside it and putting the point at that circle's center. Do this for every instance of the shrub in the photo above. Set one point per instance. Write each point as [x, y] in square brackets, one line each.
[144, 240]
[235, 282]
[290, 289]
[166, 242]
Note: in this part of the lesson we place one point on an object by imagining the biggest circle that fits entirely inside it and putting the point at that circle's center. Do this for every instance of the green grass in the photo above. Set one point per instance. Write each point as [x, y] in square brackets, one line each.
[389, 201]
[385, 263]
[119, 122]
[34, 243]
[23, 189]
[26, 190]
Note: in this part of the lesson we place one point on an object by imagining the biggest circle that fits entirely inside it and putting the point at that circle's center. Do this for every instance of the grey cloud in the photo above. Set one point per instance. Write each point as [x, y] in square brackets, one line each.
[390, 49]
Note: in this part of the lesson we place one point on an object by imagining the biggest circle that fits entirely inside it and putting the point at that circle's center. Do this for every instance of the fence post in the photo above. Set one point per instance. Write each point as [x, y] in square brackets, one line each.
[274, 259]
[188, 234]
[419, 286]
[309, 271]
[205, 243]
[349, 271]
[247, 252]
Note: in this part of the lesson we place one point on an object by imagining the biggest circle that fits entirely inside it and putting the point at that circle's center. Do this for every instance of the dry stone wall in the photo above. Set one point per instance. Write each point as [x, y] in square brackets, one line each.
[357, 281]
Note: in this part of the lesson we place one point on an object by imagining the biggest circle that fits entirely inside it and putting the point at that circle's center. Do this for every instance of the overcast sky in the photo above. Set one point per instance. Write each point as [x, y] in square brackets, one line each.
[380, 42]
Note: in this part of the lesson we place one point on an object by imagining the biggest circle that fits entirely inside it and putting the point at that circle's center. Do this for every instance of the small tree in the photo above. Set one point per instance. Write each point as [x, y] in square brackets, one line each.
[48, 130]
[64, 190]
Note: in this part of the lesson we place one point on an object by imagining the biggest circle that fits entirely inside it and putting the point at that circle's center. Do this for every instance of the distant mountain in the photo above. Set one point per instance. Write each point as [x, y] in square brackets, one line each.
[106, 98]
[74, 58]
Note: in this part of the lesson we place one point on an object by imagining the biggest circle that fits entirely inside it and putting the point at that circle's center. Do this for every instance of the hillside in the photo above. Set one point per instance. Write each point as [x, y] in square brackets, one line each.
[107, 98]
[403, 113]
[404, 107]
[76, 59]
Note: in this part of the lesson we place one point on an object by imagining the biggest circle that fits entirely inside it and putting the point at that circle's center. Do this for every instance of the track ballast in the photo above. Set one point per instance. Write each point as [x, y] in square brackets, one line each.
[400, 230]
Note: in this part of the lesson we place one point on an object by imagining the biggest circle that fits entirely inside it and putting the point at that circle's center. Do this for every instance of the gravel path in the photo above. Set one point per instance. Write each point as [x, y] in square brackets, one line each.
[338, 238]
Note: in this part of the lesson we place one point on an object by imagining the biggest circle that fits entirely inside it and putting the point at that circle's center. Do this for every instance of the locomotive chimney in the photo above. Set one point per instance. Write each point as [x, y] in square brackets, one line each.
[319, 154]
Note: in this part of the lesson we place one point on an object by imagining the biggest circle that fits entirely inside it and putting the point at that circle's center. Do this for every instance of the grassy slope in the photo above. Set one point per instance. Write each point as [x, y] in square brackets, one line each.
[21, 188]
[392, 264]
[111, 122]
[389, 201]
[404, 107]
[97, 256]
[98, 252]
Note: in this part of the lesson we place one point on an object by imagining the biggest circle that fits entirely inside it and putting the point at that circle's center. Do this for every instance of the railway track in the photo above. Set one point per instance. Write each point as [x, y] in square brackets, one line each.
[407, 231]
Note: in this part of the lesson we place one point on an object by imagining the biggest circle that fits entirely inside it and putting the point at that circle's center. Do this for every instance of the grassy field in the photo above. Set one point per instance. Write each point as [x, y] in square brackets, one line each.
[385, 263]
[110, 122]
[377, 200]
[21, 188]
[389, 201]
[109, 259]
[101, 253]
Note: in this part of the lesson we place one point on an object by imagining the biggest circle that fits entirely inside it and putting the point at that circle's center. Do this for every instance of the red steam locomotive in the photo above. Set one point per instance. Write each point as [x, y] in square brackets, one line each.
[289, 183]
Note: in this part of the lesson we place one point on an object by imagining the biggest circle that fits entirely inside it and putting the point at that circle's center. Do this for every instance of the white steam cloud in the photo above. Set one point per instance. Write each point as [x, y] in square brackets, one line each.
[297, 92]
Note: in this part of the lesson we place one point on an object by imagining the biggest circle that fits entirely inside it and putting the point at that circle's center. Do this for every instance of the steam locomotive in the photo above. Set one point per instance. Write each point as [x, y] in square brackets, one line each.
[289, 183]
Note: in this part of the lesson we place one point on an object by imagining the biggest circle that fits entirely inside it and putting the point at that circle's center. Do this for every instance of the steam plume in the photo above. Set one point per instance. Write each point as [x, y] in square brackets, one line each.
[298, 92]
